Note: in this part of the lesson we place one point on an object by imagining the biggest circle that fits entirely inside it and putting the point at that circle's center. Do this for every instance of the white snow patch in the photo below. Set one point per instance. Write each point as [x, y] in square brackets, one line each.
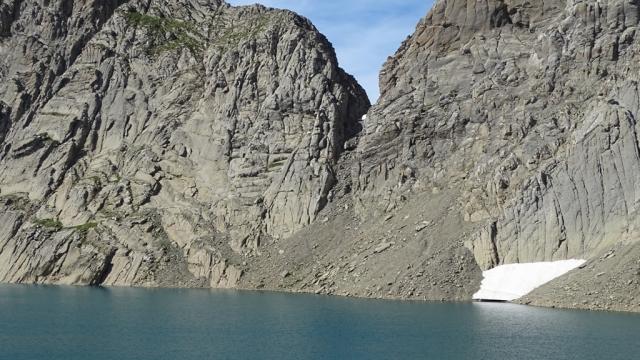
[513, 281]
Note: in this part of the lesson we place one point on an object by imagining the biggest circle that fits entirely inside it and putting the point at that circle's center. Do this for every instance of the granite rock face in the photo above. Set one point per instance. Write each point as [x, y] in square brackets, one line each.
[190, 143]
[527, 113]
[157, 143]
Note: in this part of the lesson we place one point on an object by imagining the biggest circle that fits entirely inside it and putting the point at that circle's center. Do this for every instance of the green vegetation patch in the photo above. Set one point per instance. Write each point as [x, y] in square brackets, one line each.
[249, 29]
[53, 113]
[158, 24]
[56, 225]
[86, 227]
[49, 223]
[184, 34]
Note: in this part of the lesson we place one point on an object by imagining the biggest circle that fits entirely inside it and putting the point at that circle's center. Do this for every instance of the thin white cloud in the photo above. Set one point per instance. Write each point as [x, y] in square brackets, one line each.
[363, 32]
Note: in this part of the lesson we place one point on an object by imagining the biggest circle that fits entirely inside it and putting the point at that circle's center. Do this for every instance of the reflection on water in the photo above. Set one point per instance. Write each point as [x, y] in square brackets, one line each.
[92, 323]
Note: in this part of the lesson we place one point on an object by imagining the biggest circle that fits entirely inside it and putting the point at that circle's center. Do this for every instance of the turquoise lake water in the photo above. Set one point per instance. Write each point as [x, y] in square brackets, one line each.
[95, 323]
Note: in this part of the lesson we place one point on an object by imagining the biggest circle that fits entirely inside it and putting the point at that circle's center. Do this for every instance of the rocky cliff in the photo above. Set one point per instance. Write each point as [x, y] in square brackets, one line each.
[156, 143]
[190, 143]
[506, 132]
[526, 113]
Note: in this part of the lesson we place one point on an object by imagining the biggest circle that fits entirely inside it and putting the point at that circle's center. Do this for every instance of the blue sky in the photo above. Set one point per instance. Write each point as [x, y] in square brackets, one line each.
[363, 32]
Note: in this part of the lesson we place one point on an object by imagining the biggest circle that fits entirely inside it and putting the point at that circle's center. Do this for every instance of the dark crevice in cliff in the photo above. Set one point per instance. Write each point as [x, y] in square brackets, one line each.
[107, 267]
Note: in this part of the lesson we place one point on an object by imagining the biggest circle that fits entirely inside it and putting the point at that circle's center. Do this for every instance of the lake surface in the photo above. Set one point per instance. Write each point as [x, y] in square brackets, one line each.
[93, 323]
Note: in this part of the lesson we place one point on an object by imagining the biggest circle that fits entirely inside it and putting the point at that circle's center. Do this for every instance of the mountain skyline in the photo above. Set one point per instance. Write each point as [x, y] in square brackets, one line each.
[363, 32]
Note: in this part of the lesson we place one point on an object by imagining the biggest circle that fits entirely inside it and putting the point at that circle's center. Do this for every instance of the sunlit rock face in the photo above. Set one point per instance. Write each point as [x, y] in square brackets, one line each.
[526, 114]
[156, 142]
[190, 143]
[505, 133]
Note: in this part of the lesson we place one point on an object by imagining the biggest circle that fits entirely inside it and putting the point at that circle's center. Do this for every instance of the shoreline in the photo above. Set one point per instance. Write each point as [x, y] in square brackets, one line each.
[519, 302]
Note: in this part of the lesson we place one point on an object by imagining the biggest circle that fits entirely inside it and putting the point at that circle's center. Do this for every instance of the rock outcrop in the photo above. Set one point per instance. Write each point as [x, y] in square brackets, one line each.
[526, 112]
[505, 133]
[156, 143]
[190, 143]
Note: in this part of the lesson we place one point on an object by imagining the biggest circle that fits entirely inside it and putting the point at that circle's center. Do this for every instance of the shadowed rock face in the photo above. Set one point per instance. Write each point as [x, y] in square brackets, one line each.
[155, 142]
